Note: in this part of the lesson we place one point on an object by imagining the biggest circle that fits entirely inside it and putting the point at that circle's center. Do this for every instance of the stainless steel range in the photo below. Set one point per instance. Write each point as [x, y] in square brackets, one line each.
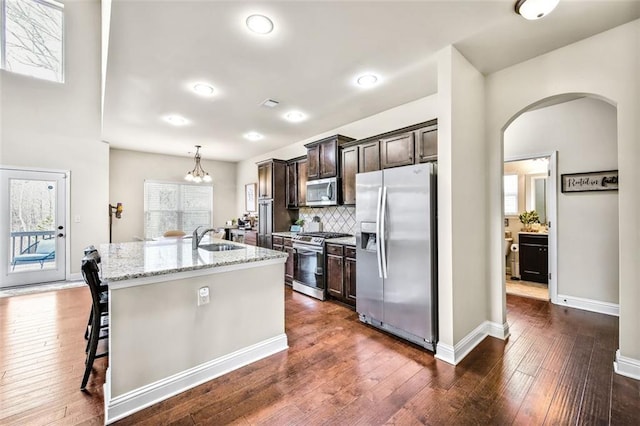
[308, 273]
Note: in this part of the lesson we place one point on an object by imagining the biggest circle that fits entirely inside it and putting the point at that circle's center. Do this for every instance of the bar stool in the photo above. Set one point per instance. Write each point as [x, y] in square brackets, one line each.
[99, 310]
[103, 287]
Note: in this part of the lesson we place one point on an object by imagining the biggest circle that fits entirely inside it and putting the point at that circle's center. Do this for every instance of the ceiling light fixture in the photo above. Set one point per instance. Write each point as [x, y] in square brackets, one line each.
[176, 120]
[203, 89]
[294, 116]
[259, 24]
[535, 9]
[367, 80]
[198, 174]
[253, 136]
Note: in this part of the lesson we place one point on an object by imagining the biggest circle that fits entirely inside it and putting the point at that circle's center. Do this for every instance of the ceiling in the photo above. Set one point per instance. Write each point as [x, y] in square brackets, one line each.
[159, 49]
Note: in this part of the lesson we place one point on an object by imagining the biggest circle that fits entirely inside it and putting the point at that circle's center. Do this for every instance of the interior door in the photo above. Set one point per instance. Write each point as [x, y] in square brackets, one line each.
[32, 226]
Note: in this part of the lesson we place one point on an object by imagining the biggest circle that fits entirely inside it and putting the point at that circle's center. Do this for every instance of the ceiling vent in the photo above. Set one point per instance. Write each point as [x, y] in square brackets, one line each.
[270, 103]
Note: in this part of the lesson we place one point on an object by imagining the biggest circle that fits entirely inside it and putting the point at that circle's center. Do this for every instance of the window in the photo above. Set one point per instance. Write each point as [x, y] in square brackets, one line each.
[32, 42]
[176, 206]
[510, 195]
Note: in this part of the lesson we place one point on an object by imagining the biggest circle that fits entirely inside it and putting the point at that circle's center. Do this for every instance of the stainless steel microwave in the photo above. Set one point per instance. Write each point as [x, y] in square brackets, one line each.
[322, 192]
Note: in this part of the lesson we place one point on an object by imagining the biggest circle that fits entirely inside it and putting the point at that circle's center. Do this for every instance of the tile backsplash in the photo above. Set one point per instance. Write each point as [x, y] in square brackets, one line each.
[334, 219]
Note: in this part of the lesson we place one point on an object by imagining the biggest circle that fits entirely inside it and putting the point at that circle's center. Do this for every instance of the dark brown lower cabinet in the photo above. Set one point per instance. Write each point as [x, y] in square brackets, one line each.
[285, 244]
[534, 257]
[341, 273]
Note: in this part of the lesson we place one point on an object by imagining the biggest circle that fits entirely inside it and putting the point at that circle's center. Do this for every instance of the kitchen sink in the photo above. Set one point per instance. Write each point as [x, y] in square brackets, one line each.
[219, 247]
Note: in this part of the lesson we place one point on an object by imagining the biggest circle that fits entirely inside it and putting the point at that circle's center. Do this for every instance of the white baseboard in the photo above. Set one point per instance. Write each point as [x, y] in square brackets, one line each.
[589, 305]
[137, 399]
[454, 354]
[75, 277]
[627, 367]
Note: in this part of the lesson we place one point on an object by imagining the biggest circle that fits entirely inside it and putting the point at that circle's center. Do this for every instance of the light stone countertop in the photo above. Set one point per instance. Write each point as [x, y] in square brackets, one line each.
[139, 259]
[286, 234]
[347, 241]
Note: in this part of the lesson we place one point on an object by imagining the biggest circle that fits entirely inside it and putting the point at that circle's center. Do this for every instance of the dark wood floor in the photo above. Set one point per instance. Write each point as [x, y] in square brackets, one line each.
[556, 368]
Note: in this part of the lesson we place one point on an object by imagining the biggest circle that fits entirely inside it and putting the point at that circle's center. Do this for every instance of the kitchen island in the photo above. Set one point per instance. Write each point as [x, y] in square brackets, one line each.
[166, 337]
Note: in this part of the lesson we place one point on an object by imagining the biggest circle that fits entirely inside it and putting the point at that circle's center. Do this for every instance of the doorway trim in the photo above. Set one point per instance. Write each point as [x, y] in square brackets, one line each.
[67, 207]
[552, 215]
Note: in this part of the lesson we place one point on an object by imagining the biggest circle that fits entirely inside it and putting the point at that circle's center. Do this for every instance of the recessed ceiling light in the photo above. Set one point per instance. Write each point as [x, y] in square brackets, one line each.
[253, 136]
[535, 9]
[203, 89]
[367, 80]
[259, 24]
[176, 120]
[295, 116]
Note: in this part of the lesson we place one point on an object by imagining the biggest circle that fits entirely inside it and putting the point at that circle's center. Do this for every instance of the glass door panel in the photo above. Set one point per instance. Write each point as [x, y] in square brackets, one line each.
[33, 226]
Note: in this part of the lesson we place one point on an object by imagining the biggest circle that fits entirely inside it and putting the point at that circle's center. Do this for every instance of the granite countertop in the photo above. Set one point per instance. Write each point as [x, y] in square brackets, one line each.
[138, 259]
[287, 234]
[533, 233]
[347, 241]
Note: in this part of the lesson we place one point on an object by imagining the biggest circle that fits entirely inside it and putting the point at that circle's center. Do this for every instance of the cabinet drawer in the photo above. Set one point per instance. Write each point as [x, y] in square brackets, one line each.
[288, 242]
[335, 249]
[277, 240]
[350, 252]
[541, 239]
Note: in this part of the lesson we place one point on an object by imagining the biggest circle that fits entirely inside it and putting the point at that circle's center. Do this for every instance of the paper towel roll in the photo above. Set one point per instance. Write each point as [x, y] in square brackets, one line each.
[514, 248]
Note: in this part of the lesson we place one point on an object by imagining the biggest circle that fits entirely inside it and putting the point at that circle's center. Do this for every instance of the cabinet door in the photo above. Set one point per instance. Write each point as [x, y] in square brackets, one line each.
[328, 157]
[427, 144]
[313, 162]
[397, 150]
[302, 183]
[265, 224]
[288, 267]
[264, 181]
[292, 185]
[349, 166]
[334, 275]
[350, 279]
[534, 263]
[369, 157]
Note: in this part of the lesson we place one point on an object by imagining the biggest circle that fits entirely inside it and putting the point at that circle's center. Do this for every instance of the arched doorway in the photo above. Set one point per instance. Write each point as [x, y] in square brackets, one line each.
[583, 241]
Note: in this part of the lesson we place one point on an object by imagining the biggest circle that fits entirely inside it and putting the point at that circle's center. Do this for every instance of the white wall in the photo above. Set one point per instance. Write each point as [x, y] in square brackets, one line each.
[462, 262]
[608, 65]
[129, 169]
[584, 134]
[57, 126]
[423, 109]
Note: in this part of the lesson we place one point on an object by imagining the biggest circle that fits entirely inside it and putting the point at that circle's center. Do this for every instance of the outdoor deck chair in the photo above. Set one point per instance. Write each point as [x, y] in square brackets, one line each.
[38, 252]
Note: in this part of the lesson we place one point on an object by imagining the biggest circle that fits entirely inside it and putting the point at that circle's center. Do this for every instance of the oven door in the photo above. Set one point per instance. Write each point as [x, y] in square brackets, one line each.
[308, 277]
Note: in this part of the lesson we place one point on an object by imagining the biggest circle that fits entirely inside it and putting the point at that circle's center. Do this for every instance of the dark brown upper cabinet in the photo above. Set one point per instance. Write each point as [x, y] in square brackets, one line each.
[322, 157]
[427, 144]
[296, 182]
[397, 150]
[369, 157]
[265, 180]
[349, 168]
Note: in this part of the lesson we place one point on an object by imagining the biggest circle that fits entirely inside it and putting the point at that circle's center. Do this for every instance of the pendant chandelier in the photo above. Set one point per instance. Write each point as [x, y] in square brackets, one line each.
[198, 174]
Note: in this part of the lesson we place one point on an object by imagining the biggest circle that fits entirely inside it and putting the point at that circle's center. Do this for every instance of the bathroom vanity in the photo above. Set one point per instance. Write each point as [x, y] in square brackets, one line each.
[534, 257]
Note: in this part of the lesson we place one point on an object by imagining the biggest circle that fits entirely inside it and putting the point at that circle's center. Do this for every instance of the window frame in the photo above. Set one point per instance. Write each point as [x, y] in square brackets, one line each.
[179, 213]
[3, 49]
[505, 194]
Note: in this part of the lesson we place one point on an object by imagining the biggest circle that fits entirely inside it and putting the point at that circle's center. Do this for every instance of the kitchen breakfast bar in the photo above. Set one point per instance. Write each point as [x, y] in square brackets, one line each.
[179, 317]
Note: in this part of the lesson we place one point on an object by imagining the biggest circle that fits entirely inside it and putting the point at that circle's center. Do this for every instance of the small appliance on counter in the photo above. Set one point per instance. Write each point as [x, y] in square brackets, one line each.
[315, 225]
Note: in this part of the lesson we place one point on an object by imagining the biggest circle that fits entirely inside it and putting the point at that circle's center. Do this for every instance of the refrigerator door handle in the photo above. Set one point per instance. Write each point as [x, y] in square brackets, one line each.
[378, 255]
[383, 229]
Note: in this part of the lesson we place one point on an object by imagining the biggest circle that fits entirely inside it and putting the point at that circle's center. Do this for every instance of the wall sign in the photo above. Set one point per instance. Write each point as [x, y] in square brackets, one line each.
[592, 181]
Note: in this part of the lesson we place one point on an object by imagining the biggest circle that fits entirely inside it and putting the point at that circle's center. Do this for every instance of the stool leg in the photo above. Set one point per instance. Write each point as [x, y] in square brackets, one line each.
[93, 346]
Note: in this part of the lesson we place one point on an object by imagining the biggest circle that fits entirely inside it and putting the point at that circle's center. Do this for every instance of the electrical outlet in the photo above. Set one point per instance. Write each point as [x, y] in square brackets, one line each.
[203, 296]
[76, 219]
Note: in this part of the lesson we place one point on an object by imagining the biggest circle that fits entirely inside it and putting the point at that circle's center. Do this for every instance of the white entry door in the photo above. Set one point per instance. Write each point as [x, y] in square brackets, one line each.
[32, 227]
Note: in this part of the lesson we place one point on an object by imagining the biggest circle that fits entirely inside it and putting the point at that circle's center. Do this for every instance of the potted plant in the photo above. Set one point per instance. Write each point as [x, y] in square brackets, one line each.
[528, 218]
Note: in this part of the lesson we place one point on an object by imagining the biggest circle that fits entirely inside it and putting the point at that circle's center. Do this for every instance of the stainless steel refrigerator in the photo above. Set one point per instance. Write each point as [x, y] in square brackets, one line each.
[396, 268]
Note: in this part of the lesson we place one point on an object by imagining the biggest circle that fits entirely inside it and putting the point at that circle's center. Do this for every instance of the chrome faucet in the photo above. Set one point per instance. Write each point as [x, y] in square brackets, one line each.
[195, 241]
